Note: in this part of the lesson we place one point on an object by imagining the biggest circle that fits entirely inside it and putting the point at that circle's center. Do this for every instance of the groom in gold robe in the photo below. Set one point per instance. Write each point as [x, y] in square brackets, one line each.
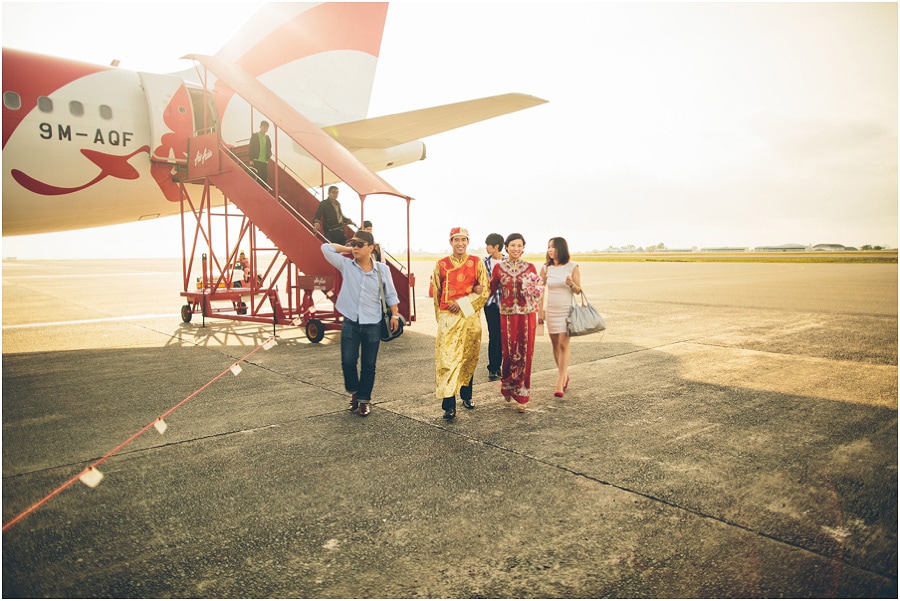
[460, 289]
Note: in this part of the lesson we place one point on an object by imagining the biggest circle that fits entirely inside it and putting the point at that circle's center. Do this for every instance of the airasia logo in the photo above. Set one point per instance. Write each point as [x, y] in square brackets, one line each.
[203, 155]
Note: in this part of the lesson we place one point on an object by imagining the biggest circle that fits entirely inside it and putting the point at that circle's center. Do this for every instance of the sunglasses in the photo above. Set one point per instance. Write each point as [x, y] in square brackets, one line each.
[355, 244]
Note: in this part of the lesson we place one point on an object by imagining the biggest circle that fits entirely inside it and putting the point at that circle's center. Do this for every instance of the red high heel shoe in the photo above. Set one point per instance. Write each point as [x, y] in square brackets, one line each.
[559, 394]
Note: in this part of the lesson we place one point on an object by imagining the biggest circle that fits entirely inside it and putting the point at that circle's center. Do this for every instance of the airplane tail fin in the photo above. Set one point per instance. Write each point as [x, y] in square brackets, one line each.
[319, 57]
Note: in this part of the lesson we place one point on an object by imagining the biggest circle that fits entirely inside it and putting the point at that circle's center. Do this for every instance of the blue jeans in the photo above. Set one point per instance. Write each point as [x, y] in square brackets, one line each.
[356, 336]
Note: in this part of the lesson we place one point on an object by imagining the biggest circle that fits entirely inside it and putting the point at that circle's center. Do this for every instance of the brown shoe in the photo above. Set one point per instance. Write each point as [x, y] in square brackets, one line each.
[364, 409]
[354, 404]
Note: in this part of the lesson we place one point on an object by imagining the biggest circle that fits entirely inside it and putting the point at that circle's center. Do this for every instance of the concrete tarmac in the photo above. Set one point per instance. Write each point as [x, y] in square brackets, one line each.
[732, 434]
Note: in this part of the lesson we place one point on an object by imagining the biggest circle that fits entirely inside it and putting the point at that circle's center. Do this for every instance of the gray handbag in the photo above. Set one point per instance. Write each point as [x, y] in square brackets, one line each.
[584, 318]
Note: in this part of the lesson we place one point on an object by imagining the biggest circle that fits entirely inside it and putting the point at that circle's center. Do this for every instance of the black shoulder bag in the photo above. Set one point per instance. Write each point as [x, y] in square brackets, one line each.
[386, 333]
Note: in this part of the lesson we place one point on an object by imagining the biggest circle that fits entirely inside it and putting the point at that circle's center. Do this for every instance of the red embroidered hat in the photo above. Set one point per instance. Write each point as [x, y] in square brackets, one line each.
[459, 231]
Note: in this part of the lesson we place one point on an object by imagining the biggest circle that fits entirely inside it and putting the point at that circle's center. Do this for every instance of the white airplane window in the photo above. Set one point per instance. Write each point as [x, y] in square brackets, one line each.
[76, 108]
[12, 101]
[105, 111]
[45, 104]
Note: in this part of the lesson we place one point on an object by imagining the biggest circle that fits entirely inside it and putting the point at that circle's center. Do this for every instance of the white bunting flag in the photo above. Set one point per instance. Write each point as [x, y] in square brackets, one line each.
[92, 477]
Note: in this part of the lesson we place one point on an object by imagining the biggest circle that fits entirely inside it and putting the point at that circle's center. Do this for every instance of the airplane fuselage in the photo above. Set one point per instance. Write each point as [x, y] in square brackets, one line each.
[76, 153]
[86, 145]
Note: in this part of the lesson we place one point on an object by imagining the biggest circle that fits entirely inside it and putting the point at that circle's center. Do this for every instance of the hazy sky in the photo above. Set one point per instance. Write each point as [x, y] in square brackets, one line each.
[685, 124]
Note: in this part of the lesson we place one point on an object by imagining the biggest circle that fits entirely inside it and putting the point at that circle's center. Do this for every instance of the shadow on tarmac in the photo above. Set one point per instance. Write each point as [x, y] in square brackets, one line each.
[651, 478]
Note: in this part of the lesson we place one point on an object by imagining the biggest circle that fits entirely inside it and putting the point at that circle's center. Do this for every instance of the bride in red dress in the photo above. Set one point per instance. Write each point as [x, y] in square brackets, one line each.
[520, 289]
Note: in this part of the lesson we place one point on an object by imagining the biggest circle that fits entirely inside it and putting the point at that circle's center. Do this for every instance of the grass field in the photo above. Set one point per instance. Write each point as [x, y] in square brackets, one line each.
[750, 257]
[880, 256]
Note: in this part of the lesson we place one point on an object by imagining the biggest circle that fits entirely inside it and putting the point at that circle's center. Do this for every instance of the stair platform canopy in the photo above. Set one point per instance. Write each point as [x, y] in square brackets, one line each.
[301, 130]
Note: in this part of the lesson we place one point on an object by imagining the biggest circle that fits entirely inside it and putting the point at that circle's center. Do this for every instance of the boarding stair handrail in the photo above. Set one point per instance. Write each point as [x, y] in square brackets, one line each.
[291, 231]
[281, 200]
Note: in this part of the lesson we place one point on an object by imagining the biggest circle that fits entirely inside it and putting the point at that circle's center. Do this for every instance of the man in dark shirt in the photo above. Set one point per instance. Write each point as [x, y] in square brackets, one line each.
[376, 253]
[261, 151]
[329, 220]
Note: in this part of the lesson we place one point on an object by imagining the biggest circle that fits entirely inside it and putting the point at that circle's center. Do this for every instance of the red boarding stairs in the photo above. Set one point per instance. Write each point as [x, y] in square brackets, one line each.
[283, 279]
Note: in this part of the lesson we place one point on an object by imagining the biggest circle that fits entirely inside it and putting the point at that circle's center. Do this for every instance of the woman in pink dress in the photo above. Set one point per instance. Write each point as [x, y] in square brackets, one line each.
[520, 289]
[563, 280]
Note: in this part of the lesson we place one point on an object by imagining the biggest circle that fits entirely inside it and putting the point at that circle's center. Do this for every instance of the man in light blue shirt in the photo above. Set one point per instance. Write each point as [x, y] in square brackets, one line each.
[360, 303]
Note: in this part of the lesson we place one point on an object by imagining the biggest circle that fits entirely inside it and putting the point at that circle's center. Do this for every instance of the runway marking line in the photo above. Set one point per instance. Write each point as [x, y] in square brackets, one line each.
[77, 322]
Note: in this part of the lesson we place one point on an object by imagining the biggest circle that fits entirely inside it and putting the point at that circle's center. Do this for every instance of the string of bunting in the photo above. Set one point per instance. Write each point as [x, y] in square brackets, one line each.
[91, 476]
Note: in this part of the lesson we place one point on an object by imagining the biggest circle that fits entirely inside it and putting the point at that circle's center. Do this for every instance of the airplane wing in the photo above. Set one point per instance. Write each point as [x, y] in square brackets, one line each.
[392, 130]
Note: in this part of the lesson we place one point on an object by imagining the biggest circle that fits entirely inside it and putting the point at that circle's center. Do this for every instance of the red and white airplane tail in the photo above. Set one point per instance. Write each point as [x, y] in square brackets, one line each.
[319, 58]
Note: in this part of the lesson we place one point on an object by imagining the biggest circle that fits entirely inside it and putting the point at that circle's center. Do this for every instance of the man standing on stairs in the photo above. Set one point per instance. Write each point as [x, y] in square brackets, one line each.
[261, 151]
[376, 254]
[329, 220]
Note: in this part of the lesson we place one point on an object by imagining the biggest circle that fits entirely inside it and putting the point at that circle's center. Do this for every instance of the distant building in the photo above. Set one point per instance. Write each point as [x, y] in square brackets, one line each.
[725, 249]
[611, 249]
[784, 248]
[830, 247]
